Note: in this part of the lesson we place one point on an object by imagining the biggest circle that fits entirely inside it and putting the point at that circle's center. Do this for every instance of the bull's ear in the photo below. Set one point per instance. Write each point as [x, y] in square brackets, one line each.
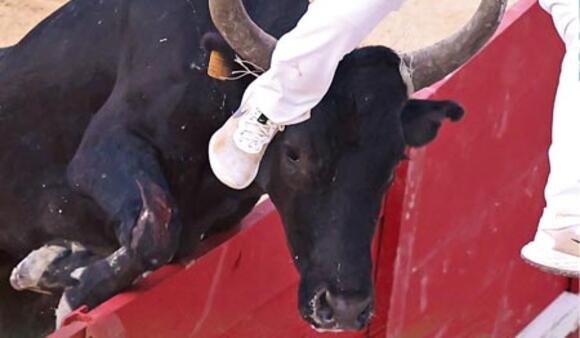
[422, 119]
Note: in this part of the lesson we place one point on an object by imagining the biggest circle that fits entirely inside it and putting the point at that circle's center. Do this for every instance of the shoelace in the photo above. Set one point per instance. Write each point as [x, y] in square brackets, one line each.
[254, 135]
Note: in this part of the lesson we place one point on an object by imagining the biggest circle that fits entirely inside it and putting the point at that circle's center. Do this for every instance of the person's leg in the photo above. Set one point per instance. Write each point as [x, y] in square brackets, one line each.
[306, 58]
[302, 68]
[556, 246]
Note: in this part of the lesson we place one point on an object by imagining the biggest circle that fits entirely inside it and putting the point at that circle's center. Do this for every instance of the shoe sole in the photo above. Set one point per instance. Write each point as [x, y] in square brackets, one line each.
[550, 260]
[216, 169]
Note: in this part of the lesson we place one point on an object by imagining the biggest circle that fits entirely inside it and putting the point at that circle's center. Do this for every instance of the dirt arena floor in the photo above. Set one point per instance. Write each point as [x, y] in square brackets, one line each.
[416, 24]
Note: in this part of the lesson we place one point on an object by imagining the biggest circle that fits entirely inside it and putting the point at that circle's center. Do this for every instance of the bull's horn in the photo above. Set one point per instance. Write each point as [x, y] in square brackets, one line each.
[241, 32]
[433, 63]
[427, 65]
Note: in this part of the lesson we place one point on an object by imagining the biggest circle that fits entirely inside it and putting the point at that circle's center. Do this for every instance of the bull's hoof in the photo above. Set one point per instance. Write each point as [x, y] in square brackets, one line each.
[32, 272]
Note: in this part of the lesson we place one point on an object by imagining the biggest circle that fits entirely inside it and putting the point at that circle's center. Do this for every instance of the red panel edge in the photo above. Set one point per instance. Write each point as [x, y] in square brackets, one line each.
[387, 250]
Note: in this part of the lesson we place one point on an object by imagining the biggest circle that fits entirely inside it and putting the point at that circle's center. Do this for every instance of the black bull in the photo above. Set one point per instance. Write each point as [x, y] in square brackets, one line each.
[105, 115]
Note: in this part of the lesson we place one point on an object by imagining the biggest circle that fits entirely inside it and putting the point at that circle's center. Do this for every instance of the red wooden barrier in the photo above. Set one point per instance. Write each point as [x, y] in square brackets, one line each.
[447, 252]
[474, 197]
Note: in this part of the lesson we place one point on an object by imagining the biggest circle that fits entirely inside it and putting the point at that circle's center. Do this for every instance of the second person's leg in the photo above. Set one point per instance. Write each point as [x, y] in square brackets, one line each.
[556, 246]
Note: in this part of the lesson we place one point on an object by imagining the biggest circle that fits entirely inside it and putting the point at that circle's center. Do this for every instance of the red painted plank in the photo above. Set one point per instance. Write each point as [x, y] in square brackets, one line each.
[388, 237]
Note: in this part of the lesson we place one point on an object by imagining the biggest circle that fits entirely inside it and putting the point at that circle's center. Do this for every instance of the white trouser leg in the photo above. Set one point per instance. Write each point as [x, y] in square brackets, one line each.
[305, 59]
[563, 188]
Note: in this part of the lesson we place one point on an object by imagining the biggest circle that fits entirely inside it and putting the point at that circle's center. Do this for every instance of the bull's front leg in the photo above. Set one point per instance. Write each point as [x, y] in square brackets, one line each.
[120, 171]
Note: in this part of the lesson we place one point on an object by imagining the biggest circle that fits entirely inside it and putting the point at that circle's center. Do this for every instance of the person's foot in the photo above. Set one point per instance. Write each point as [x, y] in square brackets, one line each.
[236, 149]
[555, 250]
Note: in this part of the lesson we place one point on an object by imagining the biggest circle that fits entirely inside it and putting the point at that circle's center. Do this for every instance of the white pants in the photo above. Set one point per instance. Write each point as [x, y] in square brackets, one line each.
[305, 59]
[563, 188]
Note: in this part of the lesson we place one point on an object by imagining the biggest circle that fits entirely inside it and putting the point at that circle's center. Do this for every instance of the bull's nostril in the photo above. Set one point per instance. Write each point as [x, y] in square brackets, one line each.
[325, 315]
[351, 310]
[324, 311]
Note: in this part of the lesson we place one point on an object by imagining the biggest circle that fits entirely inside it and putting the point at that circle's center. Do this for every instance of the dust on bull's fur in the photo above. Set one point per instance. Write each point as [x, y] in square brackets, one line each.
[115, 260]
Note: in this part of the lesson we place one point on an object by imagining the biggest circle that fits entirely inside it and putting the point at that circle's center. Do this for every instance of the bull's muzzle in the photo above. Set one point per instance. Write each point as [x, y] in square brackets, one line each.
[341, 312]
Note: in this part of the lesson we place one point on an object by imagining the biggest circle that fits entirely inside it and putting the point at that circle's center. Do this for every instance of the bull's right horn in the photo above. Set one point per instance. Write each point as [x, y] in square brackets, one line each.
[433, 63]
[241, 32]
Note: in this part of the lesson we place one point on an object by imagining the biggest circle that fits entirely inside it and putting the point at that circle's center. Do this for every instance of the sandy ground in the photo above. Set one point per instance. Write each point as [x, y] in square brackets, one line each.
[416, 24]
[17, 17]
[419, 23]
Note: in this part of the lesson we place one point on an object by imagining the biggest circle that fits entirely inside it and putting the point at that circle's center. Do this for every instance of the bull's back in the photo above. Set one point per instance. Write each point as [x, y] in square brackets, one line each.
[63, 71]
[51, 83]
[60, 73]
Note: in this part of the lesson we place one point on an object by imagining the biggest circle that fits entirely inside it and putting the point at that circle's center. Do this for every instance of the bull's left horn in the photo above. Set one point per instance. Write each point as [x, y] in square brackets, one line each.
[433, 63]
[241, 32]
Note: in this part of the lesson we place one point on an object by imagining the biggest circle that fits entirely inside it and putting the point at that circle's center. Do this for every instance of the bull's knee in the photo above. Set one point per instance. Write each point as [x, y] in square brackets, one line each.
[155, 235]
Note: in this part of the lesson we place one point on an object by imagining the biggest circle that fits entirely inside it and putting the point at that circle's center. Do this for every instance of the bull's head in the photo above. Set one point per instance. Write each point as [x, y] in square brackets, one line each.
[327, 176]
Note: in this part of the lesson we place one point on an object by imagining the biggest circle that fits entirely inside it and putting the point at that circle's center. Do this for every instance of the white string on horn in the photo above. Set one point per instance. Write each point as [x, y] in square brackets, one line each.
[255, 70]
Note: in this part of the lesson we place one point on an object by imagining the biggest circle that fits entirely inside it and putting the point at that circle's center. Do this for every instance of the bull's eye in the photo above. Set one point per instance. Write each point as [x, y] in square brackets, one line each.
[292, 155]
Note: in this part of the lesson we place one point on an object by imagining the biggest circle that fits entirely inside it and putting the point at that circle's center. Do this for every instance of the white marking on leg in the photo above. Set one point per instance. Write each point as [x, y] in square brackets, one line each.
[27, 274]
[113, 259]
[77, 247]
[77, 273]
[62, 311]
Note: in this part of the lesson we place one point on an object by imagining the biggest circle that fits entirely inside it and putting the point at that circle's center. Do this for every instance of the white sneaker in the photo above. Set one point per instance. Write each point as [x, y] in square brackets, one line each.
[237, 148]
[555, 250]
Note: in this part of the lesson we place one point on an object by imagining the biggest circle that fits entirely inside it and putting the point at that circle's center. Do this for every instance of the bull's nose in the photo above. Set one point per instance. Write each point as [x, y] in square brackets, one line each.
[342, 311]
